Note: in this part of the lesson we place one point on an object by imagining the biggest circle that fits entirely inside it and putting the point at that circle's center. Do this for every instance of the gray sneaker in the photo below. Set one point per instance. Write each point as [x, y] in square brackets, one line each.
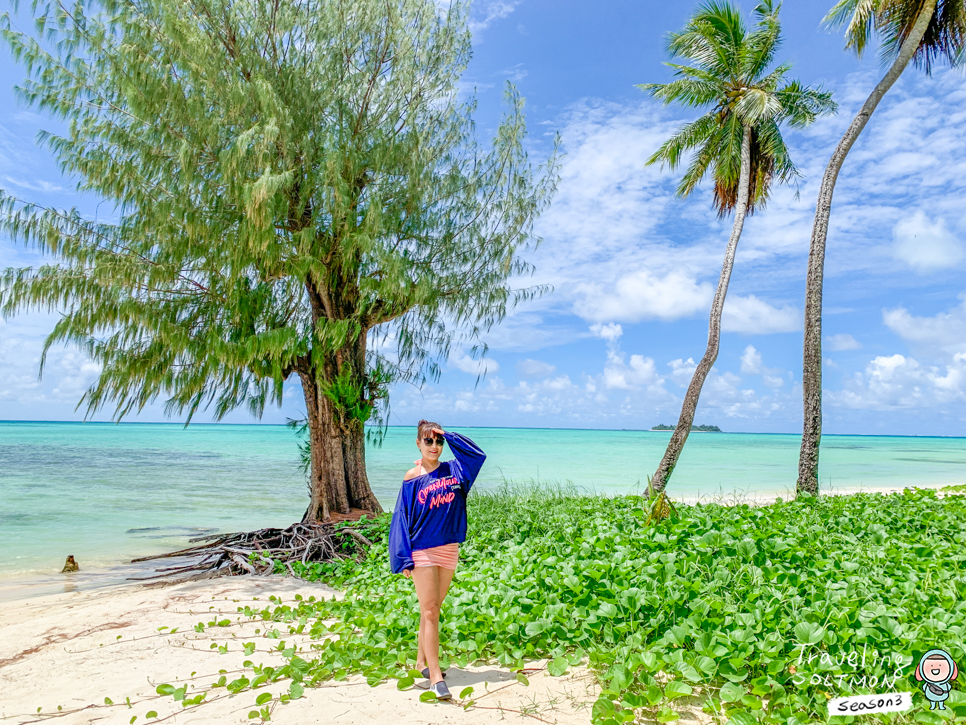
[425, 673]
[441, 690]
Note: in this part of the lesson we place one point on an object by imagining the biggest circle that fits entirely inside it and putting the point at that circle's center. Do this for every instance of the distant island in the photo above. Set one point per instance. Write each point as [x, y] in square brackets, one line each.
[699, 428]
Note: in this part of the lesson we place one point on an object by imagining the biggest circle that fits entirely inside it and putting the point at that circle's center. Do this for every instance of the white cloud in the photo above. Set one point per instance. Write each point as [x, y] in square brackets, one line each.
[619, 374]
[751, 364]
[484, 366]
[492, 11]
[561, 383]
[515, 73]
[924, 245]
[751, 361]
[945, 331]
[896, 382]
[682, 370]
[610, 248]
[610, 332]
[68, 372]
[466, 402]
[644, 296]
[639, 371]
[754, 316]
[842, 341]
[952, 385]
[35, 185]
[534, 368]
[76, 374]
[527, 330]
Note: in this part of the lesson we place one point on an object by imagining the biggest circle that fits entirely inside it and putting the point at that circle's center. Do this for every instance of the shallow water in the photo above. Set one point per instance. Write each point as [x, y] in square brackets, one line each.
[108, 493]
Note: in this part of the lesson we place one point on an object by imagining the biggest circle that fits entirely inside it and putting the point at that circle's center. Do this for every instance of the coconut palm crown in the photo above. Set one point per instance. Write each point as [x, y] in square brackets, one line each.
[894, 20]
[729, 74]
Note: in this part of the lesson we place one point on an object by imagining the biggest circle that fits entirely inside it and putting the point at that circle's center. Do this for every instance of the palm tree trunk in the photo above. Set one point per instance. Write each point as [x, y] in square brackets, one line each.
[812, 356]
[680, 435]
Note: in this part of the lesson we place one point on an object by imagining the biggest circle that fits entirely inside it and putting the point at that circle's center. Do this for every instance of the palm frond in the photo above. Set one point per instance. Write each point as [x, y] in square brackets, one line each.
[690, 136]
[773, 80]
[769, 143]
[727, 170]
[699, 44]
[802, 105]
[723, 22]
[687, 91]
[703, 161]
[859, 19]
[756, 105]
[762, 45]
[944, 39]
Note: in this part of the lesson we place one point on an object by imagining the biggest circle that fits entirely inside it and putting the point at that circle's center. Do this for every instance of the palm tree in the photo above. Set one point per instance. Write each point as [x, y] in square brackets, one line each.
[738, 141]
[912, 30]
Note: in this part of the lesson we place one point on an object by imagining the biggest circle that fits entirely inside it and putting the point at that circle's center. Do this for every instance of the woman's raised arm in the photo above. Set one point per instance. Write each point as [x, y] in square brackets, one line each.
[469, 458]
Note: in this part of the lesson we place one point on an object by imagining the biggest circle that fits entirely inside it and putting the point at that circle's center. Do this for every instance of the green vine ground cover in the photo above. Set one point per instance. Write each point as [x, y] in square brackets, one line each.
[764, 612]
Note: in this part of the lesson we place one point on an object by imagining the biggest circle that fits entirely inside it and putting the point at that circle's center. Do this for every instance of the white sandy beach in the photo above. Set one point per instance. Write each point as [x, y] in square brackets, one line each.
[74, 650]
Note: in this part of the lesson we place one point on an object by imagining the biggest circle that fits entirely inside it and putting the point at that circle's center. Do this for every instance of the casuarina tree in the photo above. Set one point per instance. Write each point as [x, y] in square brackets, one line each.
[919, 31]
[299, 195]
[738, 141]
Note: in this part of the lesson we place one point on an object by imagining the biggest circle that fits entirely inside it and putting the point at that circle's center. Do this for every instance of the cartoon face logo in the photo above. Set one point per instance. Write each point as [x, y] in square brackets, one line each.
[935, 670]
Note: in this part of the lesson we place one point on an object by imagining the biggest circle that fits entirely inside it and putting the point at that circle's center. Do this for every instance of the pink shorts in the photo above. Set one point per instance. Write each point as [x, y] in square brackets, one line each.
[446, 556]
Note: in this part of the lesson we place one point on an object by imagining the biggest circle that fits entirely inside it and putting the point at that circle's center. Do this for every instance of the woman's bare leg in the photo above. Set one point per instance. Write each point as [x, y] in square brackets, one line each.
[420, 655]
[445, 579]
[426, 579]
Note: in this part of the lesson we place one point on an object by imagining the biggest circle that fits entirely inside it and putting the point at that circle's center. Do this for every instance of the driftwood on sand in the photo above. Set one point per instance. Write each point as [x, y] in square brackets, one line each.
[255, 552]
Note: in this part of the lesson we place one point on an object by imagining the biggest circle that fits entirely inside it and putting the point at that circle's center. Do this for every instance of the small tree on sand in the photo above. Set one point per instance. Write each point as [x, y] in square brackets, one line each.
[923, 31]
[299, 193]
[739, 141]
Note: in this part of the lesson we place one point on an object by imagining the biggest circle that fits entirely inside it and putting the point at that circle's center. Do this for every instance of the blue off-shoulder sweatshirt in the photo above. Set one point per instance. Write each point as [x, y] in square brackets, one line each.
[431, 509]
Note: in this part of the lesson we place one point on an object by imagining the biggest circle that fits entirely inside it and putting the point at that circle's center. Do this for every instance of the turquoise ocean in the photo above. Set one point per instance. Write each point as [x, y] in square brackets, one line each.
[108, 493]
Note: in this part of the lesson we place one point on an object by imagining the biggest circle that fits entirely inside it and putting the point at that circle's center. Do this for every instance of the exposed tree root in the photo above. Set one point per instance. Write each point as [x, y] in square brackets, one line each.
[255, 552]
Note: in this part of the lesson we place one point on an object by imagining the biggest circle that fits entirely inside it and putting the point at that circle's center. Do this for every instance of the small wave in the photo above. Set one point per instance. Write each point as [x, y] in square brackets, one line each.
[174, 531]
[955, 462]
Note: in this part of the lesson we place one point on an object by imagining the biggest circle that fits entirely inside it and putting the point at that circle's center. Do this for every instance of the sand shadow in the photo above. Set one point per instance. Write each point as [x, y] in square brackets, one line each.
[457, 679]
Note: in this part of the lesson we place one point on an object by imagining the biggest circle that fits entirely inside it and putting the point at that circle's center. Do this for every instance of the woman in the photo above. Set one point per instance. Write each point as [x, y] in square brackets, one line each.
[428, 525]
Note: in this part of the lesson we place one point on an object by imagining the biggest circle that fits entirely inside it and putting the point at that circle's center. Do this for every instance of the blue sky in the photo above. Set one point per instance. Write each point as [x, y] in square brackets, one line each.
[633, 267]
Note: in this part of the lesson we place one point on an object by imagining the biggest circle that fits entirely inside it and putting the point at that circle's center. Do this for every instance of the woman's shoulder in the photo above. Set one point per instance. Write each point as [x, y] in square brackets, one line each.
[412, 473]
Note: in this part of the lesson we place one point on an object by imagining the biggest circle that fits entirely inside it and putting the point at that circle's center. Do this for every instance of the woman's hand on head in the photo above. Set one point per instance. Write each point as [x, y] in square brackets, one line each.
[439, 430]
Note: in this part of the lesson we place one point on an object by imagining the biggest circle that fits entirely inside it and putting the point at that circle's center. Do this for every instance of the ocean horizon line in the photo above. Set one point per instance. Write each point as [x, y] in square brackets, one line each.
[482, 427]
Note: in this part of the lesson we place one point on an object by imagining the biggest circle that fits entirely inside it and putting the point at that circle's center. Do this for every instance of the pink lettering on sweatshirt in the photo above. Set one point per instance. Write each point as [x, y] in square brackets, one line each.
[423, 495]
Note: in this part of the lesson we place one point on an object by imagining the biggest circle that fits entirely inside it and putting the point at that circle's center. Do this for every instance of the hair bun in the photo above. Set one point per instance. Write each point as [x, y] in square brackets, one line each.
[424, 425]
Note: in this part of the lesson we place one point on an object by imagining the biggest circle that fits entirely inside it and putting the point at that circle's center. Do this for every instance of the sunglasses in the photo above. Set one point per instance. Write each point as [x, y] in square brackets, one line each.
[430, 441]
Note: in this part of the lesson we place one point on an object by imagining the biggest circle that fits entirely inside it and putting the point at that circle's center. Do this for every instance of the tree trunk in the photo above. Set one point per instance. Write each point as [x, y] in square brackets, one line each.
[354, 455]
[812, 353]
[354, 444]
[338, 479]
[319, 499]
[680, 435]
